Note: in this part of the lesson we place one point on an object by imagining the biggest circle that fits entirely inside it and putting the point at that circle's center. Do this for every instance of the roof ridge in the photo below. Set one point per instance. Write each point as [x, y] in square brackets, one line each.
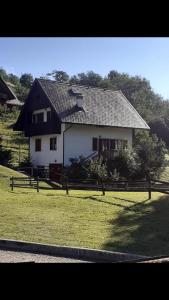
[79, 85]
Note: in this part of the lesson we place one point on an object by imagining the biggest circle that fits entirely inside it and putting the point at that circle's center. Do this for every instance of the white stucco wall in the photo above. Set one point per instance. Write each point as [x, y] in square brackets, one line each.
[46, 156]
[78, 139]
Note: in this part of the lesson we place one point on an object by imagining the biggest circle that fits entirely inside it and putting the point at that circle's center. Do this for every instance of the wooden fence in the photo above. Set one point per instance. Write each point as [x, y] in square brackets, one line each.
[66, 183]
[24, 182]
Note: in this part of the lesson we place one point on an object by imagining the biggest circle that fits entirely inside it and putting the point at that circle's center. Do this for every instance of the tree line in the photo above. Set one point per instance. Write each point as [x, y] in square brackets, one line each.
[150, 105]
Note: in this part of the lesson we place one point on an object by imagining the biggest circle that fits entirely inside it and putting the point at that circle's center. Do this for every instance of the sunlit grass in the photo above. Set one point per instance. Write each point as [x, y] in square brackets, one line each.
[82, 218]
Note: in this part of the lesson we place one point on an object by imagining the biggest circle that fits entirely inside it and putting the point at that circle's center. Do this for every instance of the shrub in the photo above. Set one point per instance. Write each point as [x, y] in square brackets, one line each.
[76, 170]
[98, 170]
[5, 156]
[123, 166]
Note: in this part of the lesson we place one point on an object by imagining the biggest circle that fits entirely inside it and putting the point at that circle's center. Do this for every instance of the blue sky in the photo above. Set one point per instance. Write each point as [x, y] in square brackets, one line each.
[147, 57]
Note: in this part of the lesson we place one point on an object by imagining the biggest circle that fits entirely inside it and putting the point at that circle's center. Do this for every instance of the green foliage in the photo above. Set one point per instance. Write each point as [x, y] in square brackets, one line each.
[3, 74]
[89, 79]
[123, 166]
[75, 170]
[13, 79]
[5, 156]
[26, 80]
[98, 170]
[21, 92]
[59, 76]
[150, 156]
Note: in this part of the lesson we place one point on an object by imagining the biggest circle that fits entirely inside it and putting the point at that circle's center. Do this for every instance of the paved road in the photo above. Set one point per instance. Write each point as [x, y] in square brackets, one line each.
[19, 257]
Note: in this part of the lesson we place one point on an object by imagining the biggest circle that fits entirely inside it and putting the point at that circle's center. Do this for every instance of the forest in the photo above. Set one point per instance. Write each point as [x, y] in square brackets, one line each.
[150, 105]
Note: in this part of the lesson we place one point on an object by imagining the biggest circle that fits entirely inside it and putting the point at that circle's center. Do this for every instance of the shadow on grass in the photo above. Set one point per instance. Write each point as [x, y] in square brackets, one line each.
[145, 233]
[112, 203]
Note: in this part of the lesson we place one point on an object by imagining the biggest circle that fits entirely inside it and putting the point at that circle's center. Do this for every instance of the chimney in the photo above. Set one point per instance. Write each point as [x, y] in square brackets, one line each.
[79, 101]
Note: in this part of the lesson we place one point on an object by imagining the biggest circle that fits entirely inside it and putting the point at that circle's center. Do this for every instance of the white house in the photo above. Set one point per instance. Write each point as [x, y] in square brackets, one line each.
[65, 121]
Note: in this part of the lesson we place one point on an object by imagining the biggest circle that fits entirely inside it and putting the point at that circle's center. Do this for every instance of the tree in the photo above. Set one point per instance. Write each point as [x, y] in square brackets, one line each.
[13, 79]
[59, 76]
[3, 74]
[150, 155]
[26, 80]
[21, 92]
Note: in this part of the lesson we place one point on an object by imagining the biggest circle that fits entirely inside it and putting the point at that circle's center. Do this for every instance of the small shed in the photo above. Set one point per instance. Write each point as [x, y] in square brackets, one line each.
[8, 98]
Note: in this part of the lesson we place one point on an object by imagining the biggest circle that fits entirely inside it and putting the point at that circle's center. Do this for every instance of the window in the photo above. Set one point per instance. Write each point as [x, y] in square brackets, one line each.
[38, 118]
[95, 144]
[49, 115]
[125, 144]
[38, 145]
[53, 143]
[109, 144]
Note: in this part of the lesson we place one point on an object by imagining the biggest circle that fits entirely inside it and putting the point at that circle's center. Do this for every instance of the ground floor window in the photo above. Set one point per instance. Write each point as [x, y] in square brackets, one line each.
[38, 145]
[53, 143]
[109, 144]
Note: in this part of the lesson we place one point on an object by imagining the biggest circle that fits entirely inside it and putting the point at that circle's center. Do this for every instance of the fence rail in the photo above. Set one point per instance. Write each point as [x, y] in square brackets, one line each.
[24, 182]
[67, 183]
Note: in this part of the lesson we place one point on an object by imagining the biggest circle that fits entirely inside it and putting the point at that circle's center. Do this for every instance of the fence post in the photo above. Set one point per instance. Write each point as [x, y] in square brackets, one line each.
[31, 172]
[12, 184]
[67, 190]
[38, 184]
[97, 183]
[103, 188]
[149, 188]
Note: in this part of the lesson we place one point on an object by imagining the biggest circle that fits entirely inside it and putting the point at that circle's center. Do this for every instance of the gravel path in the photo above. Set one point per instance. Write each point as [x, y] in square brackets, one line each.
[19, 257]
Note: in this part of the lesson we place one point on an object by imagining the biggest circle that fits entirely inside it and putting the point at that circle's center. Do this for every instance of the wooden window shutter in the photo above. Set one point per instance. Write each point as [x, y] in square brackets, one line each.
[95, 144]
[38, 145]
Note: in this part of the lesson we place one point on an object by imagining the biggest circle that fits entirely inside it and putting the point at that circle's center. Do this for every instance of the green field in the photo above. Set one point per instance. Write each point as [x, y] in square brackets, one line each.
[119, 221]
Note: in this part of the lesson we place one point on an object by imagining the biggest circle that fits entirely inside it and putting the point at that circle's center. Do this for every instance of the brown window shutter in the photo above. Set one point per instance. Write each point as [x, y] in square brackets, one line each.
[38, 145]
[95, 144]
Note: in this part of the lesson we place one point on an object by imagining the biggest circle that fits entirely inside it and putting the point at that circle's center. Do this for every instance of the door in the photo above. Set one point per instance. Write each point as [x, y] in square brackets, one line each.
[55, 171]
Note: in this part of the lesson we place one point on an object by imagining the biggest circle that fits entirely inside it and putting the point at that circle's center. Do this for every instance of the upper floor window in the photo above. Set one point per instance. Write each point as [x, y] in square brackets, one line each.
[38, 118]
[53, 143]
[38, 145]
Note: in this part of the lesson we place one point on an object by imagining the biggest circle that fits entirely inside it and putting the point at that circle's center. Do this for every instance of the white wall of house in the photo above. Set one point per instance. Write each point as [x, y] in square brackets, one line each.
[78, 139]
[46, 156]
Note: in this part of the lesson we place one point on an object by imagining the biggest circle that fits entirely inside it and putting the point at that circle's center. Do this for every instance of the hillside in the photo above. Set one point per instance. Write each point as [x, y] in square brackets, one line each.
[13, 140]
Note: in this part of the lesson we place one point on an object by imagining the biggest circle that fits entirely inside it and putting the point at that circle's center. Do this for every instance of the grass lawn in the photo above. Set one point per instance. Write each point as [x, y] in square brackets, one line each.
[119, 221]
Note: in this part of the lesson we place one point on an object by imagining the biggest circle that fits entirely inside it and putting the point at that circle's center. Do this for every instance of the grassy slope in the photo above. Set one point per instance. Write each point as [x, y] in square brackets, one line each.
[11, 139]
[119, 221]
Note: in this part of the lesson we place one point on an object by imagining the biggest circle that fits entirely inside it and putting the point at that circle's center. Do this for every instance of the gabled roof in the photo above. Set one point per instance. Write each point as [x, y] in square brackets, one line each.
[101, 107]
[10, 97]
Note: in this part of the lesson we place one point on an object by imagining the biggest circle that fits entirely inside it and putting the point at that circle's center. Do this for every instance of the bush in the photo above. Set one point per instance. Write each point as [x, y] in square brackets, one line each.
[122, 166]
[97, 170]
[76, 170]
[5, 156]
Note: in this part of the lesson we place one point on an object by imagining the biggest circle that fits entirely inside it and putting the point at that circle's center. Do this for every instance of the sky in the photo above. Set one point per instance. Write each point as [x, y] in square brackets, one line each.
[146, 57]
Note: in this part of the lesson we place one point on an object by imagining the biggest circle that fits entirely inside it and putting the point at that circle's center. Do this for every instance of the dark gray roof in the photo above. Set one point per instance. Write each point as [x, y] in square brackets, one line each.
[7, 89]
[101, 107]
[14, 102]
